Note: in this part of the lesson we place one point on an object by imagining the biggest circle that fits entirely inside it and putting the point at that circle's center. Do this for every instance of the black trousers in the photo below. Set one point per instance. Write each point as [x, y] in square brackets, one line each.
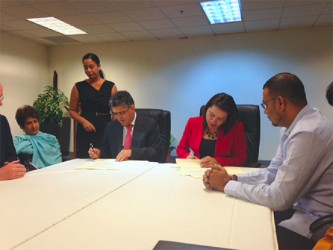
[288, 239]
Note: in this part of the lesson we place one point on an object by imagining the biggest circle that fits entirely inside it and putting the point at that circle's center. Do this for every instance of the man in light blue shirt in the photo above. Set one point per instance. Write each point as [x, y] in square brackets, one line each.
[43, 147]
[299, 179]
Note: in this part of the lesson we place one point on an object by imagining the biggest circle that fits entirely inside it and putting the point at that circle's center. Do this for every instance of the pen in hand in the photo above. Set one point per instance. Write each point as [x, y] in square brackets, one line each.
[93, 153]
[91, 146]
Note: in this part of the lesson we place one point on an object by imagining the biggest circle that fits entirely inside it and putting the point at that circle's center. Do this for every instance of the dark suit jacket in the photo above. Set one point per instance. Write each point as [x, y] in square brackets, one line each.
[146, 140]
[7, 149]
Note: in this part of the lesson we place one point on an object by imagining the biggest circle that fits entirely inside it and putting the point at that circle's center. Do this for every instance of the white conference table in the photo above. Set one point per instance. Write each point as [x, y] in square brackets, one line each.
[132, 206]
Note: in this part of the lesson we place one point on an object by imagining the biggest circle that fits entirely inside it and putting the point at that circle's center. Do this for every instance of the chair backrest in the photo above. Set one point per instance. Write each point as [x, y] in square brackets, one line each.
[250, 116]
[163, 119]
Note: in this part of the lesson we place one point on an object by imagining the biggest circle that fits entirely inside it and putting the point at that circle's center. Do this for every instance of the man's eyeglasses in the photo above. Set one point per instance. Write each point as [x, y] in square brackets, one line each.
[120, 114]
[264, 104]
[1, 98]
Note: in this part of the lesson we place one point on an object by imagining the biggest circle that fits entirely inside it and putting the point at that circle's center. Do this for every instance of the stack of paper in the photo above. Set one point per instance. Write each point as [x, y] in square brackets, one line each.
[190, 167]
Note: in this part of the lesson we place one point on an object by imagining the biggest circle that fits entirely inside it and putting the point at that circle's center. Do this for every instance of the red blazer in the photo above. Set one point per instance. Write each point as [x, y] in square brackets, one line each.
[230, 149]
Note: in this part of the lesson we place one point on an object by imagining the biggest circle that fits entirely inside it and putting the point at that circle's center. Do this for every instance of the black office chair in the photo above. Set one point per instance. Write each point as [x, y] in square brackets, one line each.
[320, 226]
[163, 119]
[250, 116]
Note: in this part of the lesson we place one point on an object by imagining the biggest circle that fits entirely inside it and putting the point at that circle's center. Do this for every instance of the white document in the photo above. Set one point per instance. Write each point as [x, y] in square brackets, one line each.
[187, 163]
[111, 164]
[189, 167]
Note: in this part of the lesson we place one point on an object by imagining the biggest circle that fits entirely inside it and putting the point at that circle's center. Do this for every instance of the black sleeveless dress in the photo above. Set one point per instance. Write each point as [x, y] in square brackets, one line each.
[95, 108]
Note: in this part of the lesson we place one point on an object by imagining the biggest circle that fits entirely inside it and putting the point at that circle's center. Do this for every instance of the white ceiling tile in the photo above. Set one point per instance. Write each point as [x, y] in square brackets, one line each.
[163, 3]
[304, 2]
[176, 2]
[111, 37]
[271, 24]
[79, 20]
[41, 32]
[62, 40]
[145, 14]
[10, 3]
[112, 17]
[328, 9]
[95, 29]
[132, 5]
[298, 22]
[261, 4]
[21, 24]
[43, 41]
[182, 10]
[86, 38]
[261, 14]
[24, 11]
[228, 28]
[139, 35]
[56, 9]
[4, 27]
[93, 6]
[167, 33]
[307, 10]
[125, 27]
[157, 24]
[190, 21]
[324, 20]
[7, 17]
[21, 33]
[197, 31]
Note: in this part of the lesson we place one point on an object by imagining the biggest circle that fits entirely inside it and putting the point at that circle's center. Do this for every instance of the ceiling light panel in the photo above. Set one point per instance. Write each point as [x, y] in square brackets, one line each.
[222, 11]
[57, 25]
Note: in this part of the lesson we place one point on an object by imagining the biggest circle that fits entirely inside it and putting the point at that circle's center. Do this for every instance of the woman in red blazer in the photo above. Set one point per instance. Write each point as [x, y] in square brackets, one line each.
[216, 137]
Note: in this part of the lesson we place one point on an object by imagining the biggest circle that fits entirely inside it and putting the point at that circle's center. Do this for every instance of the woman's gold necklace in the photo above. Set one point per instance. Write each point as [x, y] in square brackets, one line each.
[211, 136]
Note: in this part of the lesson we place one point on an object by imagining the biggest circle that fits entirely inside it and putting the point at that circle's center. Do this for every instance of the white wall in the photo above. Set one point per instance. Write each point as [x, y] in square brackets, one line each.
[178, 75]
[181, 75]
[24, 72]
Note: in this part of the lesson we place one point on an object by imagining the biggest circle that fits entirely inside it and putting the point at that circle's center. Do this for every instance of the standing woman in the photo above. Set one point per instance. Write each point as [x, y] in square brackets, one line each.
[217, 136]
[89, 105]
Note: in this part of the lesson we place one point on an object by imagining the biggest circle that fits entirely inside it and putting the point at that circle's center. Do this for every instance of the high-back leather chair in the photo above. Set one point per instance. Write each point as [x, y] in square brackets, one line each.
[250, 116]
[163, 119]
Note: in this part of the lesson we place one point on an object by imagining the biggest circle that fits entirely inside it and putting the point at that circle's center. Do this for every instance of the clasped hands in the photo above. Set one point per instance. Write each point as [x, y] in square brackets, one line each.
[123, 155]
[216, 178]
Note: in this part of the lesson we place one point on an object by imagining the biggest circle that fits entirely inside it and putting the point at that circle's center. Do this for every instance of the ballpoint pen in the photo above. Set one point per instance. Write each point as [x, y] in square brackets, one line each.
[91, 146]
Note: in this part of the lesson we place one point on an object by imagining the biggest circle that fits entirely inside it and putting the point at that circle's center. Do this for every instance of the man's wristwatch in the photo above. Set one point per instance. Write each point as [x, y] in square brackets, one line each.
[234, 177]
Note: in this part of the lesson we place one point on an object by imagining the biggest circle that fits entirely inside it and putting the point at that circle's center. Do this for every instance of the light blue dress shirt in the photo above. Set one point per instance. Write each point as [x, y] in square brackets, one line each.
[300, 174]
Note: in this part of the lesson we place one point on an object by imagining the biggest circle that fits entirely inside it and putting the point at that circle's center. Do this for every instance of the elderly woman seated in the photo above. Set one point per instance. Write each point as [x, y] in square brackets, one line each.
[44, 148]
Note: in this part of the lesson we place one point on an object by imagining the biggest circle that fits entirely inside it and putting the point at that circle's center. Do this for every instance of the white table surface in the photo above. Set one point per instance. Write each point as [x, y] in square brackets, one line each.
[132, 207]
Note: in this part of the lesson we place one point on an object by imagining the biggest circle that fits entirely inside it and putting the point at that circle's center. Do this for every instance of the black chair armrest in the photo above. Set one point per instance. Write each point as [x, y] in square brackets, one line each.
[319, 227]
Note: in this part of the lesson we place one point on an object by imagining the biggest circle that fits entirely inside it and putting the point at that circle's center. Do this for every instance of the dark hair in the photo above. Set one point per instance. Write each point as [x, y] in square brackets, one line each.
[289, 86]
[226, 103]
[95, 58]
[329, 93]
[121, 98]
[25, 112]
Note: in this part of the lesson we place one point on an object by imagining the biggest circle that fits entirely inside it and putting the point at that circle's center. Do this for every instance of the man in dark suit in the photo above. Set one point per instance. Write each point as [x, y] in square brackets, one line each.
[129, 135]
[10, 168]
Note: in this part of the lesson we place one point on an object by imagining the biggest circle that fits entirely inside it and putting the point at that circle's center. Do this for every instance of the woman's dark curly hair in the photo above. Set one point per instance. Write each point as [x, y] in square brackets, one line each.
[226, 103]
[25, 112]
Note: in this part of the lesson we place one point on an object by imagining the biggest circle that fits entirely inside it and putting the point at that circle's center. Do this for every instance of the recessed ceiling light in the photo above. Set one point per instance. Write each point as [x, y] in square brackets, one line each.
[222, 11]
[57, 25]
